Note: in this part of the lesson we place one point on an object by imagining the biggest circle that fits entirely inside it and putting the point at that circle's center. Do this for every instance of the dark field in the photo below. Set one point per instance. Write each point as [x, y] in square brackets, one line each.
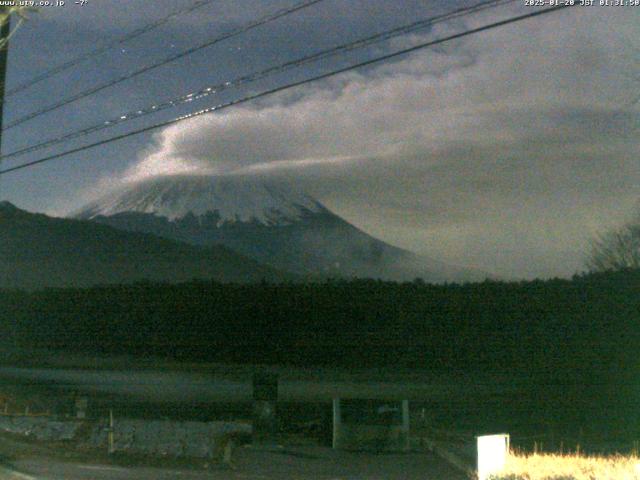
[551, 362]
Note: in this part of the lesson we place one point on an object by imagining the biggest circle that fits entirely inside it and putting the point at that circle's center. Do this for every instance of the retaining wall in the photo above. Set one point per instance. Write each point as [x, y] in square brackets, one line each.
[144, 437]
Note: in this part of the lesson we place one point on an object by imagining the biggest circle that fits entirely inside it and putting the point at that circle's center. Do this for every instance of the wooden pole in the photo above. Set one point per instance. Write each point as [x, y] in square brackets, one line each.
[265, 399]
[337, 423]
[110, 435]
[406, 424]
[4, 55]
[5, 30]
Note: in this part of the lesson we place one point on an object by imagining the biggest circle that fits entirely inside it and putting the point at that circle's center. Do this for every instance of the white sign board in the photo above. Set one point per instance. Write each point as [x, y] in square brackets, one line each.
[492, 454]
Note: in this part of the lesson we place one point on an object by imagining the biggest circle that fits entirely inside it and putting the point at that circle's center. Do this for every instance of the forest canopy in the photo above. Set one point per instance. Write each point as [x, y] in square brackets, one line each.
[589, 322]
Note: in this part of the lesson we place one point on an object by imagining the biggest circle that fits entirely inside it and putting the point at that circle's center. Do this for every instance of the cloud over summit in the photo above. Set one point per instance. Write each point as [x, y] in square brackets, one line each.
[504, 150]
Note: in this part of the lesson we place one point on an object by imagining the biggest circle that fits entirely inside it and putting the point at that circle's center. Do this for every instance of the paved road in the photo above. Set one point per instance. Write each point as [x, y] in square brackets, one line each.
[311, 463]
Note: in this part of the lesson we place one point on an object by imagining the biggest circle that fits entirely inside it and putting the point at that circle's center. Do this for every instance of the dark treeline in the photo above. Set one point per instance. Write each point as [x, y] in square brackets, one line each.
[586, 323]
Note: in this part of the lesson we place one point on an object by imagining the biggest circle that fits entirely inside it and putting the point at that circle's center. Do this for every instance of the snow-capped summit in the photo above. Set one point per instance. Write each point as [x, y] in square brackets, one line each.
[234, 198]
[271, 222]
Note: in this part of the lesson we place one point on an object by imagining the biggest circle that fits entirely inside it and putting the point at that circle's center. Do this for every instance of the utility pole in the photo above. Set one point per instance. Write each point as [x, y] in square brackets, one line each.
[5, 30]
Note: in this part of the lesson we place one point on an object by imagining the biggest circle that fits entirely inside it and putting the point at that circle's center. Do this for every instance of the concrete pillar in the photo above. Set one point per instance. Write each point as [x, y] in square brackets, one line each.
[265, 399]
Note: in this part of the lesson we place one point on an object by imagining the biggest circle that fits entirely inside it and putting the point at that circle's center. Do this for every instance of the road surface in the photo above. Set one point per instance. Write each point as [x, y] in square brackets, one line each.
[249, 463]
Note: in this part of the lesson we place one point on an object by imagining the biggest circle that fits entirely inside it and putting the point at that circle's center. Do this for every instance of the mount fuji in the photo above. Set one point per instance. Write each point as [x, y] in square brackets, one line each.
[269, 221]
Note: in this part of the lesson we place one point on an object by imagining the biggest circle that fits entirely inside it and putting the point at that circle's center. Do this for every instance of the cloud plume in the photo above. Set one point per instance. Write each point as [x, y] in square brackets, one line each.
[505, 150]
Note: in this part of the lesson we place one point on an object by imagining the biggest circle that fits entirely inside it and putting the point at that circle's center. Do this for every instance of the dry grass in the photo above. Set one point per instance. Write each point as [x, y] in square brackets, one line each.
[546, 466]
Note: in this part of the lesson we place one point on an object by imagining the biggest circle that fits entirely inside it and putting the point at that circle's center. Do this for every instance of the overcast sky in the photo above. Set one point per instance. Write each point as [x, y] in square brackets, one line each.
[506, 150]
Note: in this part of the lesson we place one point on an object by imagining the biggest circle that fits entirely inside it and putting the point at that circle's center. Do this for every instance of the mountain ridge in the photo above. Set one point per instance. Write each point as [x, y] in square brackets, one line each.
[39, 251]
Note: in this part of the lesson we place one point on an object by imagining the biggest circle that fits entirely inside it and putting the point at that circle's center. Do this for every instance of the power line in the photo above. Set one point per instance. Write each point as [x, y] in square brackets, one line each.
[233, 33]
[289, 86]
[214, 89]
[106, 47]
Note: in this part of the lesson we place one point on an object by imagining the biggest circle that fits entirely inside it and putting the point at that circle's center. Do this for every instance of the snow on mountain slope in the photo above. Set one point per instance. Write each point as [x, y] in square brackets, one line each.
[236, 198]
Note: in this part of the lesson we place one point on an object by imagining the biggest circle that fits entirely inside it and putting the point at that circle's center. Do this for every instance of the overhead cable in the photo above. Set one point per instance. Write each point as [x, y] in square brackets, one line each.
[288, 86]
